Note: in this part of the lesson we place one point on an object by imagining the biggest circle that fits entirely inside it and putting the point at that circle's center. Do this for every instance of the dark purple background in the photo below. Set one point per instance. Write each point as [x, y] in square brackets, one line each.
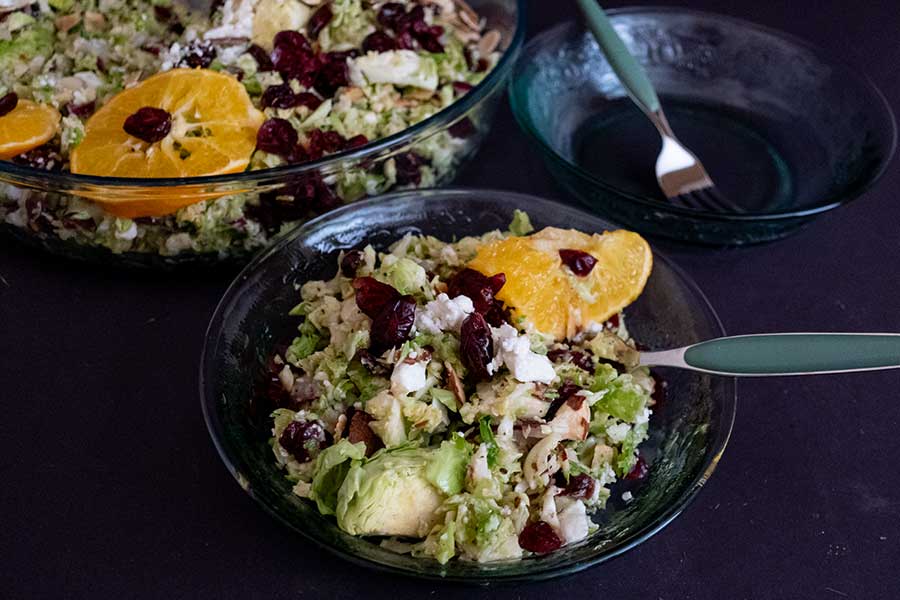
[111, 485]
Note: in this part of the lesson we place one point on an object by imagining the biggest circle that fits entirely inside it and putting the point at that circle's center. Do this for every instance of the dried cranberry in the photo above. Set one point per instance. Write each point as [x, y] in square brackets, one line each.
[303, 439]
[315, 194]
[293, 57]
[163, 14]
[320, 143]
[478, 287]
[405, 40]
[613, 321]
[277, 96]
[539, 537]
[476, 346]
[357, 141]
[430, 41]
[318, 21]
[461, 87]
[351, 262]
[407, 166]
[259, 54]
[8, 103]
[358, 430]
[81, 110]
[199, 55]
[276, 136]
[497, 281]
[581, 360]
[581, 263]
[45, 158]
[482, 65]
[333, 74]
[149, 124]
[390, 13]
[462, 129]
[580, 486]
[639, 470]
[394, 324]
[372, 295]
[379, 41]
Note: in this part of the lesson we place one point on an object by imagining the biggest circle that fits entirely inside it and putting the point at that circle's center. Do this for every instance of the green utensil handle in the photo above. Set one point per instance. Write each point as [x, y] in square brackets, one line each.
[796, 353]
[625, 66]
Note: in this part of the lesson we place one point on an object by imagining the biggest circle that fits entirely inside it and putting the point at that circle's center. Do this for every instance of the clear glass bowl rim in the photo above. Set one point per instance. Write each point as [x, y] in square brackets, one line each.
[523, 118]
[10, 172]
[216, 428]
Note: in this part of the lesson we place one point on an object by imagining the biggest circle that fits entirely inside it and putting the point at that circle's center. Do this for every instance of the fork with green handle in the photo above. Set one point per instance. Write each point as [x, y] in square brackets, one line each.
[781, 354]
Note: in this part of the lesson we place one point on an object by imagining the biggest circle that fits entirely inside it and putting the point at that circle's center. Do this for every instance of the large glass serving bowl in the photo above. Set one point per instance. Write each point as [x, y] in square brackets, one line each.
[783, 129]
[688, 430]
[445, 141]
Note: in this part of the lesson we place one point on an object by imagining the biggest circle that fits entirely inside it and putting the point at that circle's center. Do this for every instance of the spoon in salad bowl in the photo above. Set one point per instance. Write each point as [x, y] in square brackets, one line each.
[771, 354]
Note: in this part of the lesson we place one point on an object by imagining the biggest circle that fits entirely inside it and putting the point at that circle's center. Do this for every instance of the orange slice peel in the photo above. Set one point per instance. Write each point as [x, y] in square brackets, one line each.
[26, 127]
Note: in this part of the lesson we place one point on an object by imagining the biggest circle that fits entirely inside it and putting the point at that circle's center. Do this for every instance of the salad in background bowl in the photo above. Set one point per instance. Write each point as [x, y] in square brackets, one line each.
[150, 133]
[462, 401]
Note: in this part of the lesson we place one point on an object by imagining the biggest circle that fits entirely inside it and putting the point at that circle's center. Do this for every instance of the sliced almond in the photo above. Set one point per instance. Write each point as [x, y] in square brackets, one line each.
[94, 22]
[312, 2]
[489, 42]
[418, 94]
[465, 9]
[67, 22]
[472, 23]
[456, 385]
[354, 93]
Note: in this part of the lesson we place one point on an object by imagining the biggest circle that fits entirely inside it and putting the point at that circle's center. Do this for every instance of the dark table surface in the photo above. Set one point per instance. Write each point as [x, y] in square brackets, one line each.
[111, 485]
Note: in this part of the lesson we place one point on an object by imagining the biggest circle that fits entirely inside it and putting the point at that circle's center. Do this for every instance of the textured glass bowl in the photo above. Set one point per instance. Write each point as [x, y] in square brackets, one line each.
[783, 130]
[448, 139]
[688, 431]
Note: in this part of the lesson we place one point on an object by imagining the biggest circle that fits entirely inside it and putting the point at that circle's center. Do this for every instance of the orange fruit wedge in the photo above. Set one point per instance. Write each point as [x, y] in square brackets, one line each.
[26, 127]
[213, 132]
[556, 301]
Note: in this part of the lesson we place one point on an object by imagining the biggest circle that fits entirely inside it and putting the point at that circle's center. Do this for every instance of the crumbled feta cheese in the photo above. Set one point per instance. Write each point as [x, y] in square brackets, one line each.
[126, 229]
[408, 378]
[178, 242]
[573, 520]
[514, 351]
[237, 20]
[444, 314]
[400, 67]
[616, 433]
[627, 496]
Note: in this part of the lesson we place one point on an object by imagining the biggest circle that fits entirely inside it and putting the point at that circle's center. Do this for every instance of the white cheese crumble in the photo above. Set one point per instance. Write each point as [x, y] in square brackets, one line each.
[408, 378]
[400, 67]
[514, 351]
[616, 433]
[573, 521]
[444, 314]
[627, 496]
[237, 21]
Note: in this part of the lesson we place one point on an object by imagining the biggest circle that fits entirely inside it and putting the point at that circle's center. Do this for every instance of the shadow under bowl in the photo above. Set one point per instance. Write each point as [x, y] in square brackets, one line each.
[688, 431]
[783, 130]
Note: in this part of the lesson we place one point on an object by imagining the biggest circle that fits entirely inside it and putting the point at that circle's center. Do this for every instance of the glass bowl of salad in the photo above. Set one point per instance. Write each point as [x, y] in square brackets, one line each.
[157, 133]
[448, 437]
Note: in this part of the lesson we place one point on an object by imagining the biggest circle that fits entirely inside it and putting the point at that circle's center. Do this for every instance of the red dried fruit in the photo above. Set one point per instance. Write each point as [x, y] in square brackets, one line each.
[81, 110]
[304, 439]
[8, 102]
[394, 324]
[476, 346]
[497, 281]
[320, 143]
[276, 136]
[370, 363]
[357, 141]
[405, 41]
[565, 393]
[582, 360]
[379, 41]
[372, 295]
[581, 263]
[333, 74]
[262, 58]
[351, 262]
[477, 286]
[293, 57]
[148, 124]
[318, 21]
[461, 87]
[199, 55]
[613, 321]
[407, 167]
[639, 470]
[462, 129]
[291, 39]
[358, 430]
[278, 96]
[580, 486]
[539, 537]
[45, 158]
[390, 13]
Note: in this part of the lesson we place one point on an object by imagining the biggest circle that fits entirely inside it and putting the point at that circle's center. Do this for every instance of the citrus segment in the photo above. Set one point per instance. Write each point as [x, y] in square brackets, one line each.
[26, 127]
[213, 132]
[555, 300]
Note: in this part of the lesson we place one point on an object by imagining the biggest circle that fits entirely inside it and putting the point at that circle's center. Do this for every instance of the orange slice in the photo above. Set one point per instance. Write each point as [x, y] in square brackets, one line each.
[26, 127]
[552, 298]
[213, 132]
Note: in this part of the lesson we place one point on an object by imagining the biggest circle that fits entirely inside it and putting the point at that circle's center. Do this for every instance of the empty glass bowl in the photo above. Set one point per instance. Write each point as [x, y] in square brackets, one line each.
[54, 210]
[784, 131]
[688, 430]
